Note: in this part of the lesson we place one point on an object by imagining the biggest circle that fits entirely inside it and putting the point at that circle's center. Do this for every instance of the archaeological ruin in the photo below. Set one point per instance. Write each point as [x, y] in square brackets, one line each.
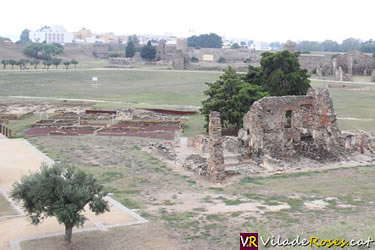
[279, 135]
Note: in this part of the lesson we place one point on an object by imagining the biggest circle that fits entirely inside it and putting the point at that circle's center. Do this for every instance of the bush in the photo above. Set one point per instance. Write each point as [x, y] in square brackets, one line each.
[235, 46]
[221, 60]
[194, 59]
[247, 60]
[114, 54]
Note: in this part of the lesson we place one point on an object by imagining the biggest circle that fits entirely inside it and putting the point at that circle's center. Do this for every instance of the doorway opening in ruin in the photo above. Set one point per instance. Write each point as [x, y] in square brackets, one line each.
[288, 116]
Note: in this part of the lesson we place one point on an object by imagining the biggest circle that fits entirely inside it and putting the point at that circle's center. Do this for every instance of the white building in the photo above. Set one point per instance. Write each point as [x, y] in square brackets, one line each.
[54, 34]
[262, 46]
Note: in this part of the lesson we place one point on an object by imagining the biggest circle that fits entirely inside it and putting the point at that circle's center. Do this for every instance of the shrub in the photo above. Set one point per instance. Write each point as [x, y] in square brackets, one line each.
[221, 60]
[194, 59]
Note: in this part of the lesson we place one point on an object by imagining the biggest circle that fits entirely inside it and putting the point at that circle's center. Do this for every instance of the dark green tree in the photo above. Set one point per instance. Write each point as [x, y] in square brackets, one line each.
[148, 52]
[21, 63]
[350, 44]
[56, 62]
[211, 40]
[59, 191]
[281, 74]
[329, 45]
[235, 46]
[130, 49]
[66, 64]
[368, 46]
[47, 64]
[24, 38]
[308, 46]
[4, 63]
[35, 63]
[74, 62]
[232, 97]
[12, 63]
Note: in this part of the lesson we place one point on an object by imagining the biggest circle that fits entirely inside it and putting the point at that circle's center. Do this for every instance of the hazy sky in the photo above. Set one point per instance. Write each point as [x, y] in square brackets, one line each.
[261, 20]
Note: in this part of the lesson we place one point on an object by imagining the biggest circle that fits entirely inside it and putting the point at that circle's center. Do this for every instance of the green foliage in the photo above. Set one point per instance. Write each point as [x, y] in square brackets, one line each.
[282, 75]
[3, 39]
[211, 40]
[148, 52]
[43, 51]
[194, 59]
[232, 97]
[247, 60]
[4, 63]
[24, 38]
[66, 64]
[21, 63]
[74, 62]
[35, 63]
[47, 64]
[368, 46]
[235, 46]
[130, 49]
[350, 44]
[114, 54]
[221, 60]
[233, 94]
[12, 62]
[308, 46]
[59, 191]
[329, 45]
[56, 61]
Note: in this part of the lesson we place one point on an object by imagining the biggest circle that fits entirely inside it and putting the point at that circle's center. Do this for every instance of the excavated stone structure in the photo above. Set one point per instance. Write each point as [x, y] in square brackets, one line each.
[288, 127]
[216, 169]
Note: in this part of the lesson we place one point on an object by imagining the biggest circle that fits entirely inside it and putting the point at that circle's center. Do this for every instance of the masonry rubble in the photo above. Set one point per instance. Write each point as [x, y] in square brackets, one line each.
[279, 134]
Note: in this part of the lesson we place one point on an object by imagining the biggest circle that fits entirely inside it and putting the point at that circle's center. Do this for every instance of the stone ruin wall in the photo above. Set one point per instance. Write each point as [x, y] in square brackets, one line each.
[311, 129]
[290, 127]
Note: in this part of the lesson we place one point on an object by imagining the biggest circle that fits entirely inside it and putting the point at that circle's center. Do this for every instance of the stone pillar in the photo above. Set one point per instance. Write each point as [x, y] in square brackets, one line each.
[178, 60]
[373, 75]
[216, 169]
[340, 74]
[334, 67]
[350, 65]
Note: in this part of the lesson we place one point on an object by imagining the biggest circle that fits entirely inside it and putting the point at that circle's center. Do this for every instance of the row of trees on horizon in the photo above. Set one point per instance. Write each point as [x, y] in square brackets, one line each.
[22, 63]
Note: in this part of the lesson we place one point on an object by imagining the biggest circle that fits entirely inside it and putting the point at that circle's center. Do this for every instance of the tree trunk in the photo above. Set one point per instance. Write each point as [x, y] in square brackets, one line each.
[68, 234]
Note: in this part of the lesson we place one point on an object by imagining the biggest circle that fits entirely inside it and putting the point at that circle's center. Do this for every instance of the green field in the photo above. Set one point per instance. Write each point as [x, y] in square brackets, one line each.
[157, 88]
[130, 86]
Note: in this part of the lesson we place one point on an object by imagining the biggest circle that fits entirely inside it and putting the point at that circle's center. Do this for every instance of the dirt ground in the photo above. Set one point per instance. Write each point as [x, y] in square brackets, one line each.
[330, 203]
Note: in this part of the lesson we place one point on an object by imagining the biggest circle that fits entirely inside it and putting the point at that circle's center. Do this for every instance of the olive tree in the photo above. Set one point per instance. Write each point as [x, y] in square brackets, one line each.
[60, 191]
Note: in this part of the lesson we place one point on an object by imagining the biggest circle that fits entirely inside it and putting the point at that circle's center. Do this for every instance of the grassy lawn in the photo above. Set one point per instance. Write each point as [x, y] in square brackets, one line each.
[199, 216]
[148, 87]
[164, 89]
[5, 208]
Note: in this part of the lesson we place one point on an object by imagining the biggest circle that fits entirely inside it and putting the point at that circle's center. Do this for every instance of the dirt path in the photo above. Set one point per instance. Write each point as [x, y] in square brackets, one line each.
[17, 158]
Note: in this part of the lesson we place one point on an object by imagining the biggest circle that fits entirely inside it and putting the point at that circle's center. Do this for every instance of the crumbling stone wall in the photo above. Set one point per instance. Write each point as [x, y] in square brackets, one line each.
[356, 63]
[288, 127]
[216, 169]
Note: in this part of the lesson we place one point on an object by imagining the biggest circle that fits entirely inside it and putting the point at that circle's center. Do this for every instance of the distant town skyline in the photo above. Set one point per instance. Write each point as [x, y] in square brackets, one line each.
[266, 20]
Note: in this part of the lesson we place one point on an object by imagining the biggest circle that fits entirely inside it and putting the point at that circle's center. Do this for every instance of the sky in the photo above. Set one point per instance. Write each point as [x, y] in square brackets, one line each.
[260, 20]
